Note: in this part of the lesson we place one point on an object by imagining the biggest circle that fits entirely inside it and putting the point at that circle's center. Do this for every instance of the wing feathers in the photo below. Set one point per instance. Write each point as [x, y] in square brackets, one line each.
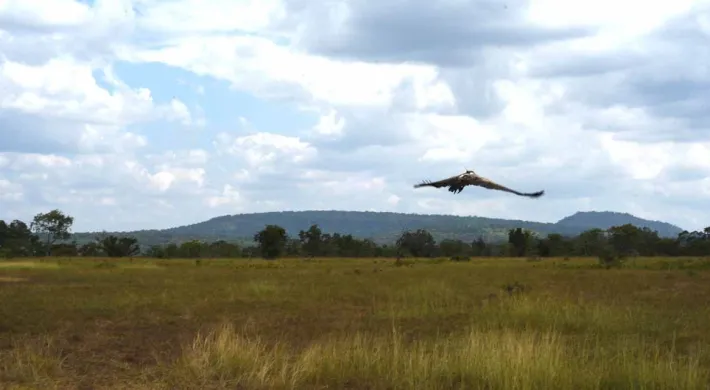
[437, 184]
[491, 185]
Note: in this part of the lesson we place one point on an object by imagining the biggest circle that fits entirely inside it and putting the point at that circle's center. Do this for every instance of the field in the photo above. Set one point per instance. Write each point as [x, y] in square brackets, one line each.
[355, 324]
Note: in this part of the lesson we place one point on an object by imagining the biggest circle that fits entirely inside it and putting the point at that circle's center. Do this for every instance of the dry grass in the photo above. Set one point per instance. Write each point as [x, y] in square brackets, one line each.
[27, 264]
[500, 359]
[360, 324]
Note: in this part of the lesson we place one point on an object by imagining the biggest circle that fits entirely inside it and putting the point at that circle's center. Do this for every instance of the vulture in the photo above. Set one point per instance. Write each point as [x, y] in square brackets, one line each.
[457, 183]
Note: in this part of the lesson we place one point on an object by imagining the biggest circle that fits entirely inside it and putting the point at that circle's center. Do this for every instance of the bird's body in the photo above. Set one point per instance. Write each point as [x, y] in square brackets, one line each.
[457, 183]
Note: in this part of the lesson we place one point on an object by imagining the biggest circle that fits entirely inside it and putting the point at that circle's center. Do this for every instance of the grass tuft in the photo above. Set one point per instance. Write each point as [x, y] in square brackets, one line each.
[31, 362]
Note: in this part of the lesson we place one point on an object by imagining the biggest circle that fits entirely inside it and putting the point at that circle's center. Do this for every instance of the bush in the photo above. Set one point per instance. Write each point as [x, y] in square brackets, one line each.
[610, 259]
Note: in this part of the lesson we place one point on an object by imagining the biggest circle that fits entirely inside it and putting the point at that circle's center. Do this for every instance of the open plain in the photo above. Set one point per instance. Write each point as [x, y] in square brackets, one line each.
[73, 323]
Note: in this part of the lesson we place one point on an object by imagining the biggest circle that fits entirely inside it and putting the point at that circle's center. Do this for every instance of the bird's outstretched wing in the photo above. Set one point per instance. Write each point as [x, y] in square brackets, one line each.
[456, 183]
[491, 185]
[449, 181]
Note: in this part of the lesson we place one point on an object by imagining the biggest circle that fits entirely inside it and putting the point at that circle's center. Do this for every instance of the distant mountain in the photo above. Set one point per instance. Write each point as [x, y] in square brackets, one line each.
[604, 219]
[382, 227]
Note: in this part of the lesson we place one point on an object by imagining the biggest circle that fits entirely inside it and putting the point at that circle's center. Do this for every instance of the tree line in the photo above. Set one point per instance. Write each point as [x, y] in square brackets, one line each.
[48, 235]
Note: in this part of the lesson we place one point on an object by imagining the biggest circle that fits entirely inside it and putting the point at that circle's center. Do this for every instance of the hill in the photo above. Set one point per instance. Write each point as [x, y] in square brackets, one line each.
[604, 220]
[382, 227]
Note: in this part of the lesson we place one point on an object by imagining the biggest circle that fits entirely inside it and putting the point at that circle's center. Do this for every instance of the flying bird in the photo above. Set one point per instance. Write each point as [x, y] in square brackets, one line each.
[457, 183]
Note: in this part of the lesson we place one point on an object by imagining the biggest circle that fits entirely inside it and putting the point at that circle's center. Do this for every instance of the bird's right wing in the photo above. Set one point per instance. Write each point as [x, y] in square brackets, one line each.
[438, 184]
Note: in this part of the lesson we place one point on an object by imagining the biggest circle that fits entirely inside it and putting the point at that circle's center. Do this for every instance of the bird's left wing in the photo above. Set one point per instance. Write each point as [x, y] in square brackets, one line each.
[491, 185]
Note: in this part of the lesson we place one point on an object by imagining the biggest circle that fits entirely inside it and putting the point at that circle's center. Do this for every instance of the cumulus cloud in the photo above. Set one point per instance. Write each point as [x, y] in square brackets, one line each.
[446, 34]
[602, 106]
[267, 152]
[649, 89]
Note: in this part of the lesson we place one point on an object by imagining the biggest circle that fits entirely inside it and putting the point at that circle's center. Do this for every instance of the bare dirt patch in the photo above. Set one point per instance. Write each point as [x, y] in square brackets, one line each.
[27, 264]
[12, 279]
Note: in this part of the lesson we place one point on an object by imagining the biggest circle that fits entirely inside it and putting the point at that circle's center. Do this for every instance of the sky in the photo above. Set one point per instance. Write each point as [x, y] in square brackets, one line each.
[142, 114]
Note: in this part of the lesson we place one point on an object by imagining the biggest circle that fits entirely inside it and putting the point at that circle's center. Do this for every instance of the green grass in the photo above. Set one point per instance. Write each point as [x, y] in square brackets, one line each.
[359, 324]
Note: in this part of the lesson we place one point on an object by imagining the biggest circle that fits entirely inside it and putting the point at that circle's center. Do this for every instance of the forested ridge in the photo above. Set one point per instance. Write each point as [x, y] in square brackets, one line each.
[380, 227]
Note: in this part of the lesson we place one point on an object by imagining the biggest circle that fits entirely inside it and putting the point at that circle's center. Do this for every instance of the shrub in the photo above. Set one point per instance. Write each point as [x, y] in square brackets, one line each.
[608, 259]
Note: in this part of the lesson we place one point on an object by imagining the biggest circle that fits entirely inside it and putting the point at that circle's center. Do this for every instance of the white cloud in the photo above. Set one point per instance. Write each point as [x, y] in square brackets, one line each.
[625, 22]
[179, 111]
[262, 151]
[68, 106]
[38, 13]
[229, 196]
[257, 65]
[192, 16]
[182, 158]
[599, 104]
[330, 125]
[451, 138]
[49, 161]
[10, 192]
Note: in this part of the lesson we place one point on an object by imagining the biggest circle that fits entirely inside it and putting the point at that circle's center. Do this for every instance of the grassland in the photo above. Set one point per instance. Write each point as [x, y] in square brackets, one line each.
[355, 324]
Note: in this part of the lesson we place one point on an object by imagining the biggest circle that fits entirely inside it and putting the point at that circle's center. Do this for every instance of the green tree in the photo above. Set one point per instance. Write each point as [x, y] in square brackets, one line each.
[667, 247]
[519, 241]
[450, 248]
[156, 251]
[480, 248]
[53, 226]
[4, 233]
[292, 247]
[119, 247]
[16, 239]
[349, 246]
[626, 239]
[271, 241]
[90, 249]
[329, 244]
[419, 243]
[65, 249]
[558, 245]
[544, 247]
[193, 249]
[171, 251]
[591, 242]
[695, 243]
[224, 249]
[311, 240]
[649, 242]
